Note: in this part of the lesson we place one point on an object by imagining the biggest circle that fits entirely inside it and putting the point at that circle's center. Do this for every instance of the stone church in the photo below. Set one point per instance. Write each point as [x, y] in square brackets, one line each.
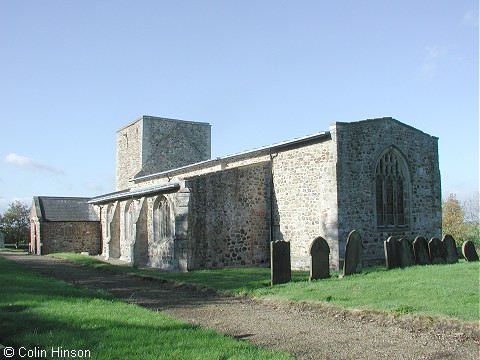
[175, 208]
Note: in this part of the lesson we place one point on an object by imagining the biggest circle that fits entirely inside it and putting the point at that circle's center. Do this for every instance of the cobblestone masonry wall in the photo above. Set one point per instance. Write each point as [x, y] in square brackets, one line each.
[71, 237]
[323, 188]
[229, 227]
[305, 197]
[305, 192]
[360, 144]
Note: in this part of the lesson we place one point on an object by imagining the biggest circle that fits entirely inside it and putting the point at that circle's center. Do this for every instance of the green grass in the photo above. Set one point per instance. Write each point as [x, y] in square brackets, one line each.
[437, 290]
[235, 280]
[37, 312]
[434, 290]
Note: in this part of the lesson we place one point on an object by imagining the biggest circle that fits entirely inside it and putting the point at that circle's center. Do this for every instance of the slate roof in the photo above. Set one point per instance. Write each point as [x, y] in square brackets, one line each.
[64, 209]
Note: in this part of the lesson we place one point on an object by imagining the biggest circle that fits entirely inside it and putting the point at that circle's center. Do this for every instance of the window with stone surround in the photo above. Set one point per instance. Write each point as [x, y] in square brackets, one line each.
[130, 220]
[161, 219]
[392, 182]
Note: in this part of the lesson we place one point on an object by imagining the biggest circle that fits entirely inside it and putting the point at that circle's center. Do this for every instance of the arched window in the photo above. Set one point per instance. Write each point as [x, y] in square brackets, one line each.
[161, 219]
[130, 220]
[391, 190]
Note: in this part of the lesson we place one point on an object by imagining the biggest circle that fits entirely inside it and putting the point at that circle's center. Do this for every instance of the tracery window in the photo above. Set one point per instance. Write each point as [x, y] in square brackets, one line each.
[161, 219]
[391, 190]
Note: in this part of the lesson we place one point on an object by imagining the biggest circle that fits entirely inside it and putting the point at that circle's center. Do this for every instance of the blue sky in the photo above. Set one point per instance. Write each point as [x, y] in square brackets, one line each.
[260, 72]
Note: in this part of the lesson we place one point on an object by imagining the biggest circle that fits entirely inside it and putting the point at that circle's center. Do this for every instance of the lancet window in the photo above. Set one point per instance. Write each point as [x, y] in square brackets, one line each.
[161, 219]
[130, 220]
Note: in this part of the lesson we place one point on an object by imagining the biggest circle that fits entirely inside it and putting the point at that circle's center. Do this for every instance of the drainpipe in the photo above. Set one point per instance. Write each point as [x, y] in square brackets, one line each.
[100, 228]
[272, 194]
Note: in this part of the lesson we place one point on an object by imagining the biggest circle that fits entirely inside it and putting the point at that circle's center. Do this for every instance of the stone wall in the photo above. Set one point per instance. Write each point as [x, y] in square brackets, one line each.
[70, 237]
[229, 217]
[161, 251]
[151, 145]
[129, 153]
[228, 209]
[360, 145]
[35, 236]
[306, 197]
[170, 144]
[129, 233]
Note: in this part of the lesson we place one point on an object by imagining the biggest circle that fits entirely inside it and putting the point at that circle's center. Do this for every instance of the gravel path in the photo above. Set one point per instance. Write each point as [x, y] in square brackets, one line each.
[307, 331]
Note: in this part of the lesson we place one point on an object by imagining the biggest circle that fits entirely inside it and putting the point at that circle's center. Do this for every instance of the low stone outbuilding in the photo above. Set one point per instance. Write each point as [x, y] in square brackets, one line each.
[61, 224]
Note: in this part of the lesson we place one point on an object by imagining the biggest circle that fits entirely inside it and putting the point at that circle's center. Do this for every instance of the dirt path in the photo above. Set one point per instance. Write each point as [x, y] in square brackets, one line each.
[306, 331]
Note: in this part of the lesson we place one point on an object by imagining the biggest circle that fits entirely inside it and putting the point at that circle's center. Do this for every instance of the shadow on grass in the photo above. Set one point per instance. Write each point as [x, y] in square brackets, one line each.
[41, 314]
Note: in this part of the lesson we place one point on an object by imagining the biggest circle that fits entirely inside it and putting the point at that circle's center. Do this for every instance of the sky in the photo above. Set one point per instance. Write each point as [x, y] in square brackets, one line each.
[72, 72]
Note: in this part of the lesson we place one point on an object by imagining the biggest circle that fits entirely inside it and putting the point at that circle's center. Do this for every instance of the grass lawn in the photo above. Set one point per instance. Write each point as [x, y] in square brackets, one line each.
[39, 313]
[435, 290]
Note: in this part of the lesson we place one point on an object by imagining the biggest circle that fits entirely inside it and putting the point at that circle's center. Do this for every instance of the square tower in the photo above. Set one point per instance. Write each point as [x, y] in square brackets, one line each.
[151, 145]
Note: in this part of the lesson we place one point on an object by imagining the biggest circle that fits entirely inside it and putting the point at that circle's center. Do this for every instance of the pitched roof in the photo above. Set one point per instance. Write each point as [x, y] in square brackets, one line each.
[134, 193]
[65, 209]
[284, 145]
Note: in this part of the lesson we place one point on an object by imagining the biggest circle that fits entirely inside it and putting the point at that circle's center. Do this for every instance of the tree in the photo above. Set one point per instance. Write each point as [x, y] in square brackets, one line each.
[472, 209]
[472, 219]
[15, 223]
[453, 218]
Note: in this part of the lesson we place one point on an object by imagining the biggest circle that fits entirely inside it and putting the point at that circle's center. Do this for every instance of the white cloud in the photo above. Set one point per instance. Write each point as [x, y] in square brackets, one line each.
[31, 164]
[470, 18]
[434, 56]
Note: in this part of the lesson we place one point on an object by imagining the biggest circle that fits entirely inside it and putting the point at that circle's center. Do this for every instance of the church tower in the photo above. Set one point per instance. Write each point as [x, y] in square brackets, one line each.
[151, 145]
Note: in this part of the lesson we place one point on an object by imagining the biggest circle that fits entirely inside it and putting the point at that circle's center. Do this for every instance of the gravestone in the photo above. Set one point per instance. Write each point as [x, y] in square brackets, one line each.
[2, 243]
[469, 252]
[319, 259]
[392, 253]
[436, 251]
[451, 256]
[281, 271]
[353, 254]
[420, 251]
[406, 252]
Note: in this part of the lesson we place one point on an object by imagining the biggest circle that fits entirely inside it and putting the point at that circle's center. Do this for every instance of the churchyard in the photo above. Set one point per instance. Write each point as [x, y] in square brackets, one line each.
[43, 314]
[438, 291]
[42, 317]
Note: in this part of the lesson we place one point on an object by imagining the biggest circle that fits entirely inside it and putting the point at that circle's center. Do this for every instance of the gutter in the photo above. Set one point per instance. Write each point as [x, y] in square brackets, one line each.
[133, 193]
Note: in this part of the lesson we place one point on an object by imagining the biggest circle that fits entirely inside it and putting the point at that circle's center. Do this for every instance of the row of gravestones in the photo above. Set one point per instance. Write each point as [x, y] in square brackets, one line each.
[319, 259]
[403, 253]
[398, 253]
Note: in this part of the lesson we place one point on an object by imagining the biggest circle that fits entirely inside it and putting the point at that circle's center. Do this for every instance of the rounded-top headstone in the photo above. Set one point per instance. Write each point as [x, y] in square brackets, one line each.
[353, 254]
[451, 256]
[420, 250]
[392, 253]
[319, 260]
[436, 250]
[469, 252]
